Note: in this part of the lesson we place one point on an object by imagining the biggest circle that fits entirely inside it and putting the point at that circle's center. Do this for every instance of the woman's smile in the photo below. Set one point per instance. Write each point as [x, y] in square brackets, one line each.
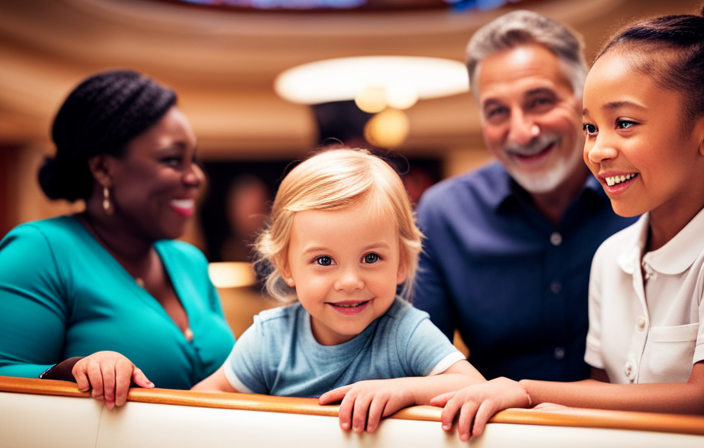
[184, 207]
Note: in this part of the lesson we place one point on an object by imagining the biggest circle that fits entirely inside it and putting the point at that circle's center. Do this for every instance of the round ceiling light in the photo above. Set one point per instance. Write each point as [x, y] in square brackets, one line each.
[380, 81]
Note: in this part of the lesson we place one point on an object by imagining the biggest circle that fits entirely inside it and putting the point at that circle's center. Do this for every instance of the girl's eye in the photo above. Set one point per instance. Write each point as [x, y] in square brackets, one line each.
[589, 129]
[324, 260]
[371, 258]
[624, 124]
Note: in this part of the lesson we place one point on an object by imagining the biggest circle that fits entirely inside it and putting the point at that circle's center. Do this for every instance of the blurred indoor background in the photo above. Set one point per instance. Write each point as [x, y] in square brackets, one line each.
[224, 58]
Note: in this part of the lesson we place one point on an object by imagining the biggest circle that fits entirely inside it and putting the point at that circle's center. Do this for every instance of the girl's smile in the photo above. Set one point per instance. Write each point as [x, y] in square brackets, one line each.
[345, 266]
[640, 146]
[350, 307]
[617, 180]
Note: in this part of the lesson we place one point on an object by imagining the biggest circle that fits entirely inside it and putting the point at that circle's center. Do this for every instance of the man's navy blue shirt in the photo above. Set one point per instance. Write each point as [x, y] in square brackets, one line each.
[513, 284]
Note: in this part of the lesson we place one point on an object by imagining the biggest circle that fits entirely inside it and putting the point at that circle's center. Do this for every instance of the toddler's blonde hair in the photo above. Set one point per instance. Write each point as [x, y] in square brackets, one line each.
[333, 180]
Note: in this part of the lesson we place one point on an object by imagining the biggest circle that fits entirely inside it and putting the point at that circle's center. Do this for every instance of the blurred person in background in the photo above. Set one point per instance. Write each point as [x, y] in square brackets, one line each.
[247, 206]
[106, 297]
[509, 246]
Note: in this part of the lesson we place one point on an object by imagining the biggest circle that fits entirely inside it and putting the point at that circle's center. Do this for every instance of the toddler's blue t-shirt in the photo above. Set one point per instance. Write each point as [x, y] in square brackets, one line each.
[278, 354]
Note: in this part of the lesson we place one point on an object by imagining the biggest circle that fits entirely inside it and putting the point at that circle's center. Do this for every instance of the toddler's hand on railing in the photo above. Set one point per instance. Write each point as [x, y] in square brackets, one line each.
[108, 376]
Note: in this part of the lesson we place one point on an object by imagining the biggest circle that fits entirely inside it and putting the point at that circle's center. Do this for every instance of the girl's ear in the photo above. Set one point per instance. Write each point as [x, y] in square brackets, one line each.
[699, 130]
[402, 272]
[101, 168]
[286, 274]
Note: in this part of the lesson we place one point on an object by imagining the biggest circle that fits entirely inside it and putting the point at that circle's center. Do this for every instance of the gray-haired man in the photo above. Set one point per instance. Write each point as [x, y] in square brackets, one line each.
[509, 246]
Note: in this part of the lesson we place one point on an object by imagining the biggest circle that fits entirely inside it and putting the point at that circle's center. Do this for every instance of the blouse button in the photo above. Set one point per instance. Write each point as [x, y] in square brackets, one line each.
[628, 369]
[641, 323]
[556, 239]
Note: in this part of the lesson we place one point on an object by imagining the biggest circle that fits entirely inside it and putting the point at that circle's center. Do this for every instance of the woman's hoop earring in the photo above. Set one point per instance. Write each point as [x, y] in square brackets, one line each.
[106, 201]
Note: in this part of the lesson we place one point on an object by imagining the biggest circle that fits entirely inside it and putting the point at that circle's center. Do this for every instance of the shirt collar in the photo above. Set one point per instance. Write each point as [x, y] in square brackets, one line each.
[674, 257]
[678, 254]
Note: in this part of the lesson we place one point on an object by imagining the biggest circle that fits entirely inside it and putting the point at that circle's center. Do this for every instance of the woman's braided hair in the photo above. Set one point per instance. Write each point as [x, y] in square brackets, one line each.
[100, 116]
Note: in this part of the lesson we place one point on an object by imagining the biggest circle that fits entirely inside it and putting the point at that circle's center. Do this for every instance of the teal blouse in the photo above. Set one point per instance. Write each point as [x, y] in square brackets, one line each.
[63, 295]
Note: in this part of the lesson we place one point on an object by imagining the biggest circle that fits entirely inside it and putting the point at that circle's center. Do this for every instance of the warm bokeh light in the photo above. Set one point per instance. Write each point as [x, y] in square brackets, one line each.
[401, 95]
[371, 99]
[231, 274]
[387, 129]
[404, 79]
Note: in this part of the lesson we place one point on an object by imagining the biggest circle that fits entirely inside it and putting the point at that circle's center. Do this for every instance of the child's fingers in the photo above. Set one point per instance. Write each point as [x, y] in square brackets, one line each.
[122, 384]
[441, 400]
[464, 423]
[95, 378]
[109, 385]
[334, 395]
[140, 379]
[452, 407]
[345, 412]
[79, 374]
[376, 412]
[483, 414]
[361, 410]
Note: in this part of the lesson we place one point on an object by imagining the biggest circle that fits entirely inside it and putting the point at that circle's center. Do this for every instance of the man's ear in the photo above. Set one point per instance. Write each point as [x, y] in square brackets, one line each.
[101, 168]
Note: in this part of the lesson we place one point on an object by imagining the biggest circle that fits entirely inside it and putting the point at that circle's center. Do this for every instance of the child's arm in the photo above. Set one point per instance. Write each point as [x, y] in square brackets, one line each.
[365, 403]
[217, 382]
[479, 403]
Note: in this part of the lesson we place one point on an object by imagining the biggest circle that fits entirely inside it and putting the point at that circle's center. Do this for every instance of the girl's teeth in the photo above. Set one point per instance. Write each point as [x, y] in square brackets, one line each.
[351, 306]
[614, 180]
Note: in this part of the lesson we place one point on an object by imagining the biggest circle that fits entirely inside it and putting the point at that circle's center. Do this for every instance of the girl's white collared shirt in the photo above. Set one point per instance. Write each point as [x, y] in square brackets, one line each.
[644, 324]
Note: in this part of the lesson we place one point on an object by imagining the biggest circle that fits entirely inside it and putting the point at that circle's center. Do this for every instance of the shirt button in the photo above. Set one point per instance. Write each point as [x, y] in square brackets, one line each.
[555, 287]
[628, 369]
[556, 239]
[641, 323]
[559, 353]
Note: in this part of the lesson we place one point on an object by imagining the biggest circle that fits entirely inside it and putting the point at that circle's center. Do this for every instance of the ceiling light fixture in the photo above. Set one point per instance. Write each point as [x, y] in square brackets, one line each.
[374, 82]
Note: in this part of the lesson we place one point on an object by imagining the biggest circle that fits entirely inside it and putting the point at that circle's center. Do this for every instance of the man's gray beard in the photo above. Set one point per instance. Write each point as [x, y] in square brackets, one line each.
[546, 182]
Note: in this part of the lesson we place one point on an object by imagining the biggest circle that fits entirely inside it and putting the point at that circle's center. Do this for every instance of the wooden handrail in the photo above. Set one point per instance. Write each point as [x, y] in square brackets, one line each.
[572, 417]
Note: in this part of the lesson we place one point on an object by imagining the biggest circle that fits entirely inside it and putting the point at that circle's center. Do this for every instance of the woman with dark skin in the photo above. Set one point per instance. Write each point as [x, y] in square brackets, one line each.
[90, 297]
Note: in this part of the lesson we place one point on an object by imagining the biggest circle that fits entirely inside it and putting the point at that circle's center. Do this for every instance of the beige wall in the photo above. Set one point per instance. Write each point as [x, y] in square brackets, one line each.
[223, 66]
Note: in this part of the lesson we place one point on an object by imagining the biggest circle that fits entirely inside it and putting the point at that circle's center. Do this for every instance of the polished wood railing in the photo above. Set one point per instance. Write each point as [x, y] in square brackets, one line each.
[570, 417]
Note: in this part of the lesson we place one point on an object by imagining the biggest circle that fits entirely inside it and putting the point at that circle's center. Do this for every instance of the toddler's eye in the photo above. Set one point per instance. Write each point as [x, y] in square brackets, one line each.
[324, 260]
[589, 129]
[371, 258]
